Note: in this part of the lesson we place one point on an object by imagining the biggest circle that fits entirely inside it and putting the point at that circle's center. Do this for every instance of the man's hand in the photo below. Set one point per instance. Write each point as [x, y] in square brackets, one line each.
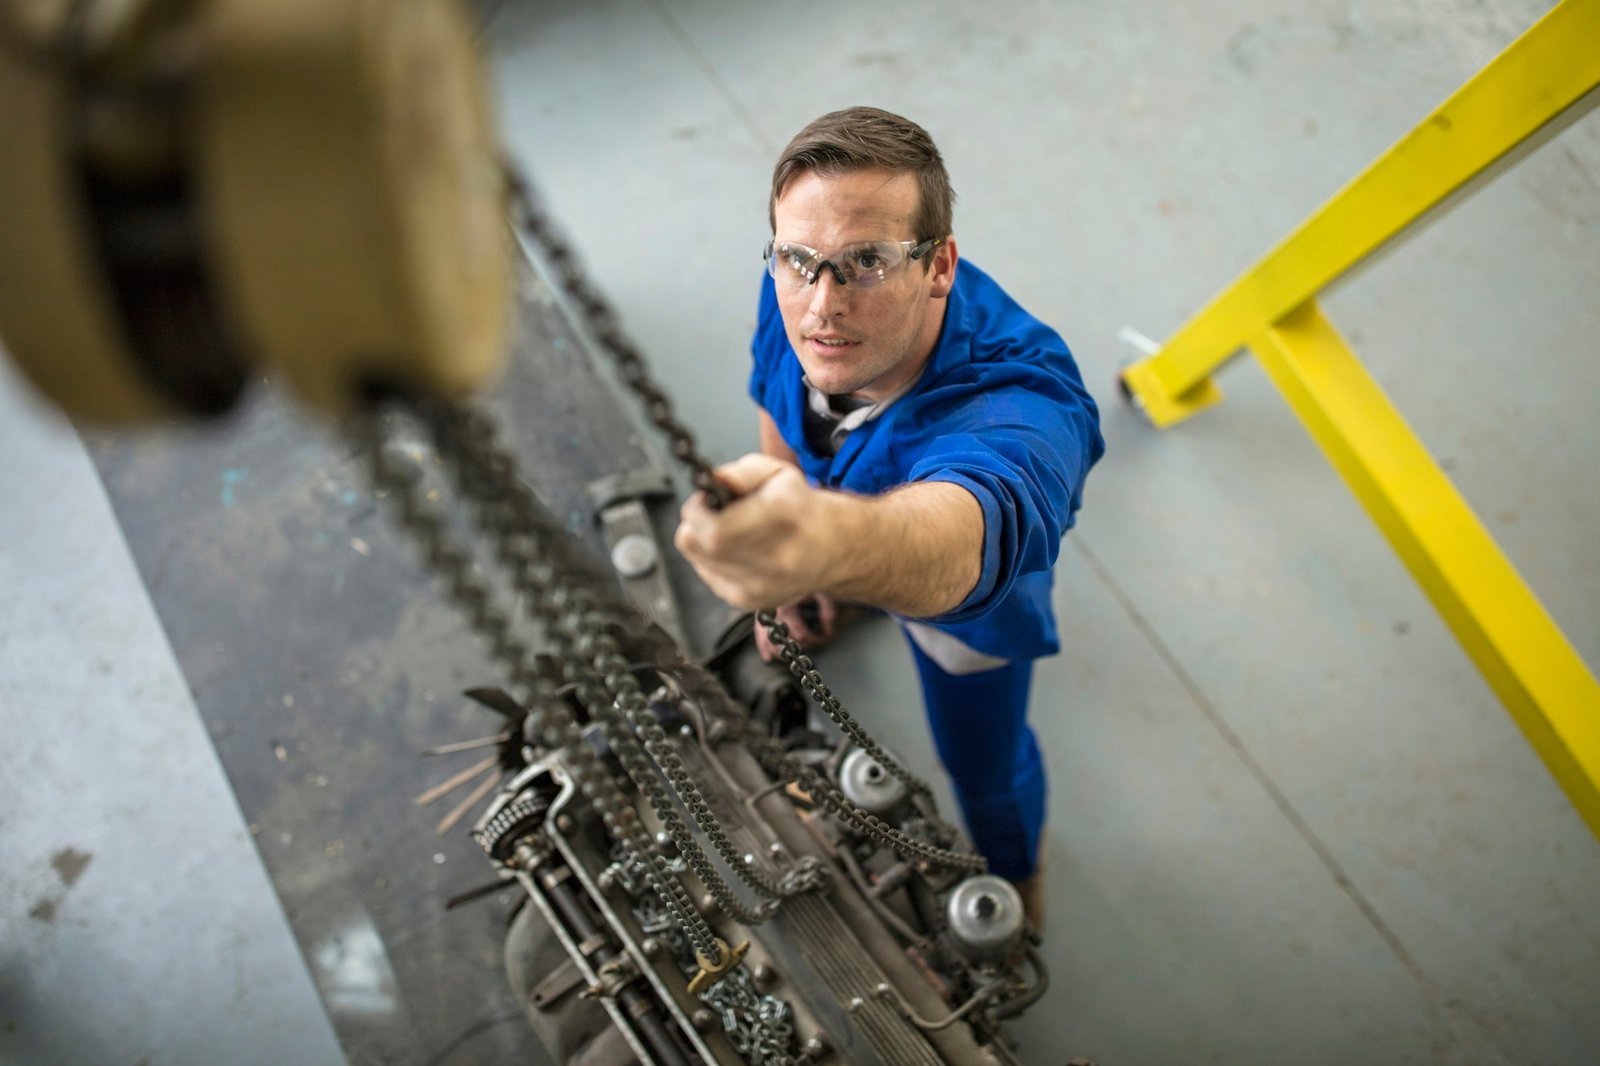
[810, 622]
[915, 551]
[764, 549]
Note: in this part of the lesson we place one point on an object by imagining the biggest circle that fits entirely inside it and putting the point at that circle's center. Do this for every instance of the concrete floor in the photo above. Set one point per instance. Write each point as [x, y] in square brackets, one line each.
[1289, 821]
[137, 924]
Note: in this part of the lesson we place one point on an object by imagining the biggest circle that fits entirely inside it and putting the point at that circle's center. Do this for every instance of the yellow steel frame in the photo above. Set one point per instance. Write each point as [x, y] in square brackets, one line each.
[1544, 81]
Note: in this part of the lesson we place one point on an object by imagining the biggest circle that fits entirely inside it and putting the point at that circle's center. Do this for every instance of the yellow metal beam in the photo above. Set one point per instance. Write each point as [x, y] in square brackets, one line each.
[1546, 79]
[1523, 655]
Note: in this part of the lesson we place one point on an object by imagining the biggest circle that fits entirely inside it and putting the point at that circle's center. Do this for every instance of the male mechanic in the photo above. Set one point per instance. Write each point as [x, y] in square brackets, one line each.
[924, 444]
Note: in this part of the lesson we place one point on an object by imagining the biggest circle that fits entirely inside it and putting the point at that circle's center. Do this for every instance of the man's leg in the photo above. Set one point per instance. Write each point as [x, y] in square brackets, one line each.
[980, 728]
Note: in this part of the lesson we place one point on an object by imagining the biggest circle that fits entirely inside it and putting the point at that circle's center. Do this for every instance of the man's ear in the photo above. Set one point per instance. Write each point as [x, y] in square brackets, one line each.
[942, 271]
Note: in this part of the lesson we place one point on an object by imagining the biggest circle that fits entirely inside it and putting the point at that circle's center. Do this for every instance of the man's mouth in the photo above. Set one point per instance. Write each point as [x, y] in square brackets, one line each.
[832, 343]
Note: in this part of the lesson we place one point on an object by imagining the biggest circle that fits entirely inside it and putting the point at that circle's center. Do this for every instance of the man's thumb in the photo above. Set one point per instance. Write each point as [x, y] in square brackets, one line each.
[745, 474]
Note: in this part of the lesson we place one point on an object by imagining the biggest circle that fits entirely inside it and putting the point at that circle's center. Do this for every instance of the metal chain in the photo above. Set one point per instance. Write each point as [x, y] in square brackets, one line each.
[397, 476]
[606, 327]
[805, 671]
[512, 519]
[603, 323]
[703, 690]
[701, 687]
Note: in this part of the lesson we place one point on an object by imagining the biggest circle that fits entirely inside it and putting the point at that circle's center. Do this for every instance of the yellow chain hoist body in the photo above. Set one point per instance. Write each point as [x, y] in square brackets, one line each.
[201, 192]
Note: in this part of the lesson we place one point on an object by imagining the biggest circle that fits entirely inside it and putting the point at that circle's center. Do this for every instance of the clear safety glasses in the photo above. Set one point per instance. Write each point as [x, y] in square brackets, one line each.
[869, 263]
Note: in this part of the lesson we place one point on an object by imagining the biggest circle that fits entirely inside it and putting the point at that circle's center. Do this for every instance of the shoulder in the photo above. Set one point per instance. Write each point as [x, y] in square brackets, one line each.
[769, 320]
[996, 353]
[998, 329]
[769, 344]
[1004, 376]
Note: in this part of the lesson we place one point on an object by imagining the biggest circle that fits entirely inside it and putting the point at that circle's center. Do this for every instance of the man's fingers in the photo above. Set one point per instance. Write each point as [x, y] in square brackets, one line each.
[745, 474]
[827, 611]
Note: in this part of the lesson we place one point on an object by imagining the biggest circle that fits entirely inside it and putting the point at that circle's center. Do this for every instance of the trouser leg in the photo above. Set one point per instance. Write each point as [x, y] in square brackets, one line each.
[980, 729]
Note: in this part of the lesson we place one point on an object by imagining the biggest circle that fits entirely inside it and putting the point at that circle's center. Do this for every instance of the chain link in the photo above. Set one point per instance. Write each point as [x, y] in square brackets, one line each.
[805, 671]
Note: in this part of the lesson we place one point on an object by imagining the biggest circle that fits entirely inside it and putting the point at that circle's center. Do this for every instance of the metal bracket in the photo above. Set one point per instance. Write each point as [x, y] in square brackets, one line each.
[620, 503]
[561, 980]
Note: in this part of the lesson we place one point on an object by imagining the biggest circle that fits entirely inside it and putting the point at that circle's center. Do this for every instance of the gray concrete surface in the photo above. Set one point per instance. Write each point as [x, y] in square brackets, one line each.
[137, 924]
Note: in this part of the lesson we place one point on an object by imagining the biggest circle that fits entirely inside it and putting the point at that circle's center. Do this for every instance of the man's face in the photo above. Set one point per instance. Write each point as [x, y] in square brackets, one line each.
[849, 339]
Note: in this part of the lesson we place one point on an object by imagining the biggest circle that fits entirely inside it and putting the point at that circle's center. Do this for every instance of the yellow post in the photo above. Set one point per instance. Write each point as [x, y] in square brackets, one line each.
[1545, 80]
[1537, 674]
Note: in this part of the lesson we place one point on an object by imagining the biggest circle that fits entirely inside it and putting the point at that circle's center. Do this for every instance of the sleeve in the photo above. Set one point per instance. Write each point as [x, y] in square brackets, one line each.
[767, 344]
[1024, 454]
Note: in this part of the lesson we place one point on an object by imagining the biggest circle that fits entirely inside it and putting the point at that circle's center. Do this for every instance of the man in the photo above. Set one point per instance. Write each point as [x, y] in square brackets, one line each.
[924, 444]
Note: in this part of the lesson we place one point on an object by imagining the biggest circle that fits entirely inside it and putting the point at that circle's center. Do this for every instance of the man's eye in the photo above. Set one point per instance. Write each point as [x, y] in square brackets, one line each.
[868, 261]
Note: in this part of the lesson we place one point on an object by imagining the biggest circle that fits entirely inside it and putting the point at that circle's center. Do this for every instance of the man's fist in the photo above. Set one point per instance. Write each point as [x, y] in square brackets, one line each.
[771, 546]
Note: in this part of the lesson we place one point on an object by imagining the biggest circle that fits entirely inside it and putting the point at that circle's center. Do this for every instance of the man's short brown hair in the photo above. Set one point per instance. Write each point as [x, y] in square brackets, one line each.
[865, 138]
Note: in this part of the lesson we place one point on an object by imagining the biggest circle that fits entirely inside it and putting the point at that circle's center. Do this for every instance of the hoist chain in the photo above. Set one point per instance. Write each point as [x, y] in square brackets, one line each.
[805, 671]
[398, 477]
[606, 328]
[702, 688]
[529, 545]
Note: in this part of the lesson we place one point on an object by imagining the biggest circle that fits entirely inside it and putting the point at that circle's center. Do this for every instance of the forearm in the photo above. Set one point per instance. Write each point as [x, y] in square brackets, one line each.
[916, 551]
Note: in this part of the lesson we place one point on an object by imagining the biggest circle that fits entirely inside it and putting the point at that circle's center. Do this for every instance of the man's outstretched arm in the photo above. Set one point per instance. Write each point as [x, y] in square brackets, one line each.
[915, 551]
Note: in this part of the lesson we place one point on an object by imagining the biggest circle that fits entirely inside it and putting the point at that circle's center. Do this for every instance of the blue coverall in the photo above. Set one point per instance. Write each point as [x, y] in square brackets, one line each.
[1001, 410]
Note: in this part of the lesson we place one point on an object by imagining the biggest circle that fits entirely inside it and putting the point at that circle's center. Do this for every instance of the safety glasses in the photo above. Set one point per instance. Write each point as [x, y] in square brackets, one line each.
[866, 264]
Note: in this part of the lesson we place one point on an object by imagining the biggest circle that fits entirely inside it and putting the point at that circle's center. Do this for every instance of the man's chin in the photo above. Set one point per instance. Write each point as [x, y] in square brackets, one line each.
[834, 380]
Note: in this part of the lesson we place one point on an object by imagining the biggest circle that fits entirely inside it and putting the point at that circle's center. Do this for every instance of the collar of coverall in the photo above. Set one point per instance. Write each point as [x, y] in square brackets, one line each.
[856, 413]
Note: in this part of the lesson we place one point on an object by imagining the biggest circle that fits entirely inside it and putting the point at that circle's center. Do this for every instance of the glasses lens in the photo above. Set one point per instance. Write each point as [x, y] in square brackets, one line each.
[793, 265]
[871, 262]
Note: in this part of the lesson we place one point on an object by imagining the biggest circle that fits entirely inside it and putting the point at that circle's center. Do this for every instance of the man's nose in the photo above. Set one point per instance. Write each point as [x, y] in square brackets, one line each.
[829, 295]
